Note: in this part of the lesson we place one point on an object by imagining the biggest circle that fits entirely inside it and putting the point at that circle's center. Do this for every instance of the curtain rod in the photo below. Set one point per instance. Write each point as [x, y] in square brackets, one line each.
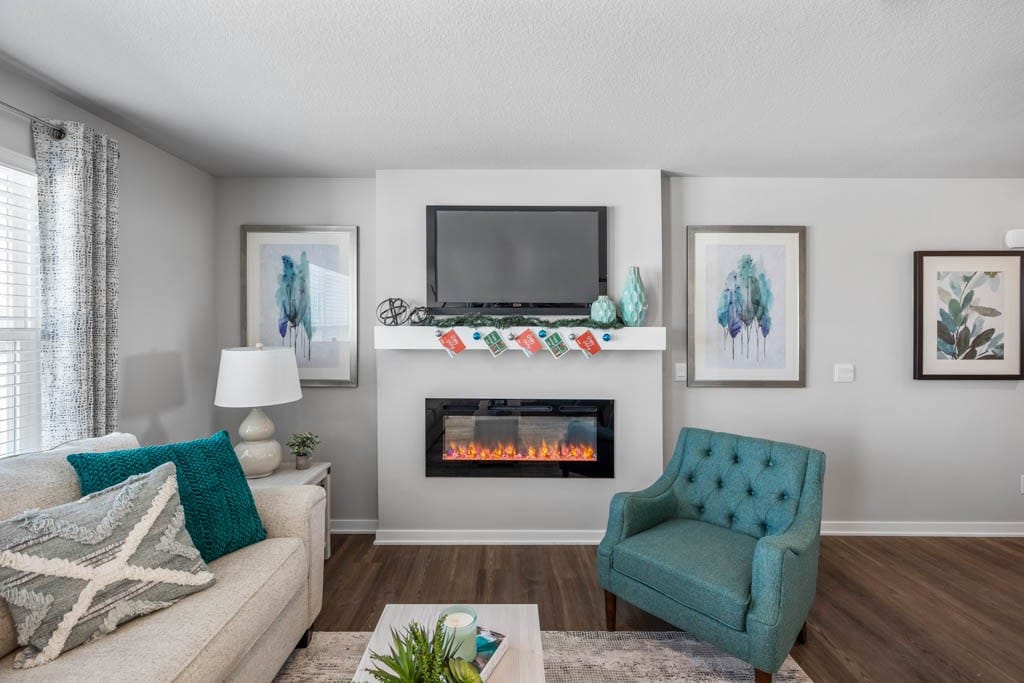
[58, 132]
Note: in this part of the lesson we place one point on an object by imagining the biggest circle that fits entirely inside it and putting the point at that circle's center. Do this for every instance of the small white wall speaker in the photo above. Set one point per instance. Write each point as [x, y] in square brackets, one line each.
[1014, 239]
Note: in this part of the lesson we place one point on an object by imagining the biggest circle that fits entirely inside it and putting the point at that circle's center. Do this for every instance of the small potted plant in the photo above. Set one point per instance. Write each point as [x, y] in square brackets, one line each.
[302, 446]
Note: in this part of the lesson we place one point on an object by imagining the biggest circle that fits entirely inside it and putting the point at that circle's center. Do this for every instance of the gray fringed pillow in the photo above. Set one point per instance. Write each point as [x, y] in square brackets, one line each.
[72, 573]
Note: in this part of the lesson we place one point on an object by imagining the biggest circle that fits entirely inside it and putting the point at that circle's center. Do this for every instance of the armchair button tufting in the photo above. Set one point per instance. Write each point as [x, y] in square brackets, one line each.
[736, 459]
[719, 483]
[689, 478]
[769, 463]
[700, 509]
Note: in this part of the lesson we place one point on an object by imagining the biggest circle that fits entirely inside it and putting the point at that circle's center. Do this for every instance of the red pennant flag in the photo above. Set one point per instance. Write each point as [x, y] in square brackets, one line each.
[452, 342]
[588, 343]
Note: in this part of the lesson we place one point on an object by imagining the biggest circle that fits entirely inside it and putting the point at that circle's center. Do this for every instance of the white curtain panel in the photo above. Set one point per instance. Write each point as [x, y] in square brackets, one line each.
[78, 229]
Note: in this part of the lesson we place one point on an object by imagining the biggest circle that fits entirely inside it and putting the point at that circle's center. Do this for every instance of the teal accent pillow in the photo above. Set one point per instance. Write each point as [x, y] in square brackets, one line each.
[220, 514]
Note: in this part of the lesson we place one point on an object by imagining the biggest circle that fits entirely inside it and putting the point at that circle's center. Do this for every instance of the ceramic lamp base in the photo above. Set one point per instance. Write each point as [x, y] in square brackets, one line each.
[259, 453]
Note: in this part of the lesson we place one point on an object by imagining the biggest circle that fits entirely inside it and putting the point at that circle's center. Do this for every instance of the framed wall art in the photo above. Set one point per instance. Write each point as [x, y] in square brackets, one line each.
[745, 306]
[967, 315]
[300, 287]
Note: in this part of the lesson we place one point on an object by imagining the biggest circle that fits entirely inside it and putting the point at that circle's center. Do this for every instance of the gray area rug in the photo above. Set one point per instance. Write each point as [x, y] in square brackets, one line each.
[569, 657]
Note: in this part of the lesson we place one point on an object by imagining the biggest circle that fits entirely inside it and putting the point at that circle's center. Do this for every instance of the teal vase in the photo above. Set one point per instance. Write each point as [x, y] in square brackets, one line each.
[634, 300]
[603, 310]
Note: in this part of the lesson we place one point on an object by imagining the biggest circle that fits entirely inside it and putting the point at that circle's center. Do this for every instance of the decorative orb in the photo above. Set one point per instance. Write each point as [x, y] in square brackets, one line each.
[606, 336]
[542, 334]
[393, 311]
[511, 336]
[418, 315]
[437, 333]
[476, 336]
[572, 336]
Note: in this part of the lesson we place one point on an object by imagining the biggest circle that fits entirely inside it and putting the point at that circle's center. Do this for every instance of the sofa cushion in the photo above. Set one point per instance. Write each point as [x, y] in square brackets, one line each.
[699, 565]
[73, 573]
[202, 638]
[219, 511]
[42, 480]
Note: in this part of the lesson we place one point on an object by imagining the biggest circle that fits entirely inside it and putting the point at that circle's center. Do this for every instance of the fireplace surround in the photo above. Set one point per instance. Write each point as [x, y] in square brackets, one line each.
[505, 437]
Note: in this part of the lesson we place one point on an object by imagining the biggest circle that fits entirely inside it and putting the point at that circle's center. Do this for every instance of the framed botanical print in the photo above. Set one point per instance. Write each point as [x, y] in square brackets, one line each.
[745, 306]
[967, 315]
[300, 287]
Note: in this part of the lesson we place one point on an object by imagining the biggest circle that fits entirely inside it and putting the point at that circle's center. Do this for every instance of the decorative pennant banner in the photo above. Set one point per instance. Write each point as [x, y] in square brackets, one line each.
[495, 343]
[588, 344]
[452, 342]
[556, 345]
[529, 342]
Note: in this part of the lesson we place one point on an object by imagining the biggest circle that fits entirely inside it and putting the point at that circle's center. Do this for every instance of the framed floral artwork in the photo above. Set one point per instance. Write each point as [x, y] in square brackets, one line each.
[300, 288]
[745, 306]
[967, 315]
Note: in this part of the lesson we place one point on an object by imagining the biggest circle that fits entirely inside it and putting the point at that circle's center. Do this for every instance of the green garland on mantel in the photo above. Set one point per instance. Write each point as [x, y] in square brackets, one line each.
[504, 322]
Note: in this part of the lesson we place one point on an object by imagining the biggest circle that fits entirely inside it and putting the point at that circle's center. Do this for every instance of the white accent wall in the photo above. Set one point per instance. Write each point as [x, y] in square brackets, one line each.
[417, 509]
[903, 456]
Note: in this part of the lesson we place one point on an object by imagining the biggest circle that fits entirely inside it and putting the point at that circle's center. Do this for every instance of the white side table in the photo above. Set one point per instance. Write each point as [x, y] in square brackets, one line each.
[318, 474]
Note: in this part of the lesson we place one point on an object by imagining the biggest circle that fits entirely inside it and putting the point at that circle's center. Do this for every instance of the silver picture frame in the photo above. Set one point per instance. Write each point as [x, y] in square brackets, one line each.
[794, 371]
[304, 237]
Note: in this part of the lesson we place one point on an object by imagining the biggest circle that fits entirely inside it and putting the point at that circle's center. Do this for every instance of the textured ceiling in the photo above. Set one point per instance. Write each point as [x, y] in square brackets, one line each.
[706, 87]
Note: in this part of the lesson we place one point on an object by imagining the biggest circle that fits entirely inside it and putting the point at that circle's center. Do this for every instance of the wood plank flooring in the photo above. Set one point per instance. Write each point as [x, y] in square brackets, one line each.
[887, 609]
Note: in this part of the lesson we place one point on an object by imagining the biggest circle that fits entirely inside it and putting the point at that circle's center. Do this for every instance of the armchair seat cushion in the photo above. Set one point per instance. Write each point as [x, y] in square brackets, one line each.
[700, 565]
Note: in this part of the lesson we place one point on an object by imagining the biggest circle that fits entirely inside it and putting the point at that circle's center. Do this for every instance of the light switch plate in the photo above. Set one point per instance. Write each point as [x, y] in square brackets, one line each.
[680, 373]
[843, 372]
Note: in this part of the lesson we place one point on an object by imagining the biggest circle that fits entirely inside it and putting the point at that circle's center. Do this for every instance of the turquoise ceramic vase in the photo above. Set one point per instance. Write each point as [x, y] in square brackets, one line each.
[603, 310]
[634, 300]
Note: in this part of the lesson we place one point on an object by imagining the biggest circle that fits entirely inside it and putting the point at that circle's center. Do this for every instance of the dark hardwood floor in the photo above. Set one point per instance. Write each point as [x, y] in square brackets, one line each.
[887, 609]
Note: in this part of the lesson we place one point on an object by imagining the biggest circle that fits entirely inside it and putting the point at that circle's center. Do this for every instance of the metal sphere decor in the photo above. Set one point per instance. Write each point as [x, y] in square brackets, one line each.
[572, 336]
[393, 311]
[437, 333]
[476, 335]
[542, 334]
[606, 336]
[511, 336]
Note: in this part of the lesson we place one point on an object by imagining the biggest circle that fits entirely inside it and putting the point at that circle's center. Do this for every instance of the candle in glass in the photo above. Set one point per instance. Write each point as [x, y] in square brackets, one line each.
[460, 621]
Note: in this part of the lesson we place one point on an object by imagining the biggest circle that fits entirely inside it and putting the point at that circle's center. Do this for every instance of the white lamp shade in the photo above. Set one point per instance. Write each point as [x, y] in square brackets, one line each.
[250, 377]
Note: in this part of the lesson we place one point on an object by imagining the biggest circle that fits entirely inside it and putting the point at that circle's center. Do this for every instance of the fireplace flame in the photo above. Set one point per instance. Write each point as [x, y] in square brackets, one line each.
[560, 451]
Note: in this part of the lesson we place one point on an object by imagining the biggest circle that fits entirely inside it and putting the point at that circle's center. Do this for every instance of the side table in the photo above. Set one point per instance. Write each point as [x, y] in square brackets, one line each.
[318, 474]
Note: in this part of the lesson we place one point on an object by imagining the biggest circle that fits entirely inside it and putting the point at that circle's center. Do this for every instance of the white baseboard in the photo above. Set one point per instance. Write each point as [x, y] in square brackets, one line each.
[353, 526]
[922, 528]
[488, 537]
[593, 536]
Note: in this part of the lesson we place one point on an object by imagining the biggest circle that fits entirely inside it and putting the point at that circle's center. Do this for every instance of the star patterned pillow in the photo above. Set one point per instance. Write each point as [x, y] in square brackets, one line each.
[72, 573]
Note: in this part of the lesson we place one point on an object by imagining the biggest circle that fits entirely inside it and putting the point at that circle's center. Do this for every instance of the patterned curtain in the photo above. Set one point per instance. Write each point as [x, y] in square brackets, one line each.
[78, 227]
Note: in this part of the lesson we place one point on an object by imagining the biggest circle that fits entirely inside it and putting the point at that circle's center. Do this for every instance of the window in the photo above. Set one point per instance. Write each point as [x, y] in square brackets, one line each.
[19, 307]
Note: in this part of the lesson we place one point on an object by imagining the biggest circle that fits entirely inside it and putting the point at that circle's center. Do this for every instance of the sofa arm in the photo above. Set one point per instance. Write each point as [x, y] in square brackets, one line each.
[298, 512]
[629, 514]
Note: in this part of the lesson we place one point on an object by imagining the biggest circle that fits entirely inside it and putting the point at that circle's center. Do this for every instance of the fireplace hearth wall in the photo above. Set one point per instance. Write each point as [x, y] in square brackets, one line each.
[502, 437]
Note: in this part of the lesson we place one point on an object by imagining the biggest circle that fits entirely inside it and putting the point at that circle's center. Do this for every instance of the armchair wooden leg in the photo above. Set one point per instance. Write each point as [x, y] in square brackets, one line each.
[762, 676]
[609, 610]
[801, 637]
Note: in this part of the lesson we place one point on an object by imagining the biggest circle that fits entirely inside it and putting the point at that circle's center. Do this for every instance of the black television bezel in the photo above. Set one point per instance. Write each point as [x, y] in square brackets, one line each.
[436, 307]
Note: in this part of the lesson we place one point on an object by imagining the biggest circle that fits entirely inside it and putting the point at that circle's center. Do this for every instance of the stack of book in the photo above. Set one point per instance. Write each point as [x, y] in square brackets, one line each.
[491, 646]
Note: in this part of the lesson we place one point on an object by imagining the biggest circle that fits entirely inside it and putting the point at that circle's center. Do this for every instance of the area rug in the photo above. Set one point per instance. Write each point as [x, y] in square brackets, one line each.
[569, 657]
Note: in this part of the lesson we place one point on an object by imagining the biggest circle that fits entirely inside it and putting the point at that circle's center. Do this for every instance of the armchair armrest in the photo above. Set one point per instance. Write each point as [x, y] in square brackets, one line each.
[783, 561]
[298, 512]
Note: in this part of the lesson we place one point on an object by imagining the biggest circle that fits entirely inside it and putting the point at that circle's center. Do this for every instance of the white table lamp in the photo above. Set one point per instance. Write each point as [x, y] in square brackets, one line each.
[252, 377]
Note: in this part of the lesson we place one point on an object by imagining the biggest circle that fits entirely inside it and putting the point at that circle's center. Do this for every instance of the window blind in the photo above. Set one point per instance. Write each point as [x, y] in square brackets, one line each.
[19, 312]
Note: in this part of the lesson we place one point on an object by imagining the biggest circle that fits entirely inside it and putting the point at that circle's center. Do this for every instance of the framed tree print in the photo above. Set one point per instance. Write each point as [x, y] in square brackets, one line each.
[300, 287]
[745, 306]
[967, 315]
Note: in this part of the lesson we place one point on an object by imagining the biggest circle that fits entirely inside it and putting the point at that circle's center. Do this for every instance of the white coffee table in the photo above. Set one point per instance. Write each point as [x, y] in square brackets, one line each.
[524, 661]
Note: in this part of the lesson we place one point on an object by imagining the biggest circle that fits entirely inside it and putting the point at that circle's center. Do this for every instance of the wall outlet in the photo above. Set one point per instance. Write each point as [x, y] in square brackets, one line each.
[680, 372]
[1022, 484]
[843, 372]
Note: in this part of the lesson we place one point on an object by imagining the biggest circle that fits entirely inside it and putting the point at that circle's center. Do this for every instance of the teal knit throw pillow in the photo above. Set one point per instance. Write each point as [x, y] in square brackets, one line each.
[220, 514]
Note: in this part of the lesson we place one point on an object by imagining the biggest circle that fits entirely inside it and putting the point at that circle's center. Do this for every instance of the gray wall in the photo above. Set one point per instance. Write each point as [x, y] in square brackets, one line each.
[899, 450]
[345, 419]
[168, 367]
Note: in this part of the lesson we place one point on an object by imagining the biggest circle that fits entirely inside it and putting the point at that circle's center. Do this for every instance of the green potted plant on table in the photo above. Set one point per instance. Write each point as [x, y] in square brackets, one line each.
[419, 656]
[302, 446]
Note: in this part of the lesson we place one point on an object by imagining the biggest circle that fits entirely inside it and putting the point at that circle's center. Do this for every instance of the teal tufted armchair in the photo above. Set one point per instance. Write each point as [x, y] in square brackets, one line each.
[724, 545]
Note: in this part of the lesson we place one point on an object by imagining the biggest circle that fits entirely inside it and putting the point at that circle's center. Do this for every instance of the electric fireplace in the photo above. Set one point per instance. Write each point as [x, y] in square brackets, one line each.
[502, 437]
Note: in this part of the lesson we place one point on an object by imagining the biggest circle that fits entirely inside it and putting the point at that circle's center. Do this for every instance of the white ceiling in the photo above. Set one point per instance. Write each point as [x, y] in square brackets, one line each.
[705, 87]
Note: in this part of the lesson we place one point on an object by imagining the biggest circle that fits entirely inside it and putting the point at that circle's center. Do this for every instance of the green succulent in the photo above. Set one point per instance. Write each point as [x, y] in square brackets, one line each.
[418, 655]
[303, 443]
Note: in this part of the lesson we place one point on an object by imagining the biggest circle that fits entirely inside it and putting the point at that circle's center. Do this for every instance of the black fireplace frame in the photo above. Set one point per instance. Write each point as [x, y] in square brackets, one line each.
[603, 410]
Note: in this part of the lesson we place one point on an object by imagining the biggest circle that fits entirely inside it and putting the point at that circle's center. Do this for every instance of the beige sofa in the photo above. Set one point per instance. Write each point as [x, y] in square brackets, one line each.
[242, 628]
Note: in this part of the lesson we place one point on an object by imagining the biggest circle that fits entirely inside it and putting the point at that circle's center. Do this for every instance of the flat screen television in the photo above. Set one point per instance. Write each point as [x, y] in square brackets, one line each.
[516, 259]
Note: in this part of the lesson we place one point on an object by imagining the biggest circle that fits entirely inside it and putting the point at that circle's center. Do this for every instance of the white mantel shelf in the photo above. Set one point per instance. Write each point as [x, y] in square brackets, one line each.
[416, 338]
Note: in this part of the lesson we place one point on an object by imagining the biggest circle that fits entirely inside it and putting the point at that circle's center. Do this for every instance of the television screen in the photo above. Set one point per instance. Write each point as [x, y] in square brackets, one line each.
[515, 259]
